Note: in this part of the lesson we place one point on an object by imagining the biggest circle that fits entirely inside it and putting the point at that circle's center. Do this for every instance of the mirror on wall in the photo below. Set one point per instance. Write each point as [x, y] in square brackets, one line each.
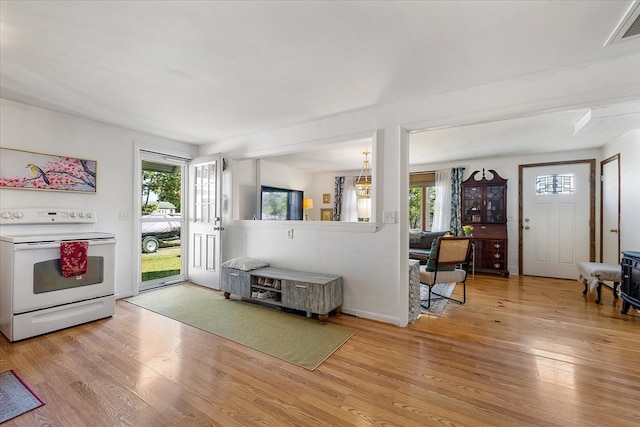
[317, 182]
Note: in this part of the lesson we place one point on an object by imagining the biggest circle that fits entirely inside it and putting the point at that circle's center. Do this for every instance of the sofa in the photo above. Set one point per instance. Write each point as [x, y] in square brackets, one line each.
[420, 244]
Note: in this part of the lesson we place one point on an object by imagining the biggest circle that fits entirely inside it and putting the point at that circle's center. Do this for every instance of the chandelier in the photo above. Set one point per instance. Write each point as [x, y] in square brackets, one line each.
[363, 182]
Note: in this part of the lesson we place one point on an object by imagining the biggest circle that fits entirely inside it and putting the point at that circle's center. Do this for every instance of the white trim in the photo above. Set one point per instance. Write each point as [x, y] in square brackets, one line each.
[372, 316]
[403, 221]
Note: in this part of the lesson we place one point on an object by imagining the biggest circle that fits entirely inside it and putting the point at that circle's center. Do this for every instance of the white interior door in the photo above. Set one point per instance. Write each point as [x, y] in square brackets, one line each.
[610, 208]
[205, 220]
[555, 221]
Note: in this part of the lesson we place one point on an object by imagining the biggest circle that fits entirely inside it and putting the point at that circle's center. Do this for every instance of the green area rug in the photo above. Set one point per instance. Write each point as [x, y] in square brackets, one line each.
[16, 397]
[287, 336]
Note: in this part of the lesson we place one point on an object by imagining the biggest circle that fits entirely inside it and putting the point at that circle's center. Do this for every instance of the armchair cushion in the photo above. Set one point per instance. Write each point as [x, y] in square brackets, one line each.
[431, 262]
[455, 276]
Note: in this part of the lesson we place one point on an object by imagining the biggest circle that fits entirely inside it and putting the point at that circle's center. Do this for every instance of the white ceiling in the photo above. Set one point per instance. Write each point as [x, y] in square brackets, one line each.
[205, 71]
[542, 133]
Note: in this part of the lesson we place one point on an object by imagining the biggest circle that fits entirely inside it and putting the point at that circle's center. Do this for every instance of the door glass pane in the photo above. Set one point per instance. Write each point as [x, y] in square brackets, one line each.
[205, 182]
[555, 184]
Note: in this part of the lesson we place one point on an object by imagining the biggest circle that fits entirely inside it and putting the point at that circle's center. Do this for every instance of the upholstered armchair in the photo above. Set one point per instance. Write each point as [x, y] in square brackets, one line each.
[449, 265]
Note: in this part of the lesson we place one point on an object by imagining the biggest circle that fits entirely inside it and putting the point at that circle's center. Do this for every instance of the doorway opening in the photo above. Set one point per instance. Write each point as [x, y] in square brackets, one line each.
[162, 253]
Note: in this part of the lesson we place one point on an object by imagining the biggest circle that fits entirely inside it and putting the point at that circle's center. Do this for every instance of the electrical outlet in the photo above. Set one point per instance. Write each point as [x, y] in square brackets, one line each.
[290, 233]
[124, 216]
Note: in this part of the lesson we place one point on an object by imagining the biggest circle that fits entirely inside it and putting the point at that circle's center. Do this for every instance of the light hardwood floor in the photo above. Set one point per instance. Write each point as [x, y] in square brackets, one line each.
[523, 351]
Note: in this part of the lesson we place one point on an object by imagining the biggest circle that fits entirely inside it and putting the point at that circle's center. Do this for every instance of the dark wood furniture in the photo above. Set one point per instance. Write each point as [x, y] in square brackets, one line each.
[630, 290]
[484, 207]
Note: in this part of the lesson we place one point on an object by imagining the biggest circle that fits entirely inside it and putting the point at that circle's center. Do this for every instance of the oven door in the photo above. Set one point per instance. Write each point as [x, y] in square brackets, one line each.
[38, 282]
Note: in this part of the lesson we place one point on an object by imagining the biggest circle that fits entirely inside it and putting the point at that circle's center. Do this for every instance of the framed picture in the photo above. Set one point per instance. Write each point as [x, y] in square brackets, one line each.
[38, 171]
[326, 214]
[326, 198]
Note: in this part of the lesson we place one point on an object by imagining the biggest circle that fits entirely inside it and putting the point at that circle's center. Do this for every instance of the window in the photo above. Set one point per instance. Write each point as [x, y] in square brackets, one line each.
[555, 184]
[422, 195]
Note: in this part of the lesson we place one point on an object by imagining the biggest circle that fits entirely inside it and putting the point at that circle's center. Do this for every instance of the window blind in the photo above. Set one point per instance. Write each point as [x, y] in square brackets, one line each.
[422, 179]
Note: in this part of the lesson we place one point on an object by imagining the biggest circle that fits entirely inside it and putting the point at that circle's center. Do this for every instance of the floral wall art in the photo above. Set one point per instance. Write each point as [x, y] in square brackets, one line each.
[38, 171]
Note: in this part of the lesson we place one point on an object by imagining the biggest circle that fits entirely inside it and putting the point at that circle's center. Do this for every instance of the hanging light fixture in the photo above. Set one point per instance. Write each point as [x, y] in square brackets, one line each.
[363, 182]
[364, 209]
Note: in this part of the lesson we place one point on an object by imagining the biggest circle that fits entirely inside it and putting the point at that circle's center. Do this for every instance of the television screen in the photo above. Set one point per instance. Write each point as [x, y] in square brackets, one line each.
[281, 204]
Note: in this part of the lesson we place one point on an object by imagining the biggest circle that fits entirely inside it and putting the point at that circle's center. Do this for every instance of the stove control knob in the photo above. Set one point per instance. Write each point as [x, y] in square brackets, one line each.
[72, 214]
[81, 214]
[89, 214]
[18, 214]
[5, 215]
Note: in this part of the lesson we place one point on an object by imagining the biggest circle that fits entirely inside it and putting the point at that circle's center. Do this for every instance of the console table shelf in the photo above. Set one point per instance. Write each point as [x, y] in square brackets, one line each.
[313, 293]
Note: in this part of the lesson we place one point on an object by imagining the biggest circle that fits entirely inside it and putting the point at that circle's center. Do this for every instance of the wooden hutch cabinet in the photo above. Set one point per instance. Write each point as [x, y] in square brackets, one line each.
[484, 207]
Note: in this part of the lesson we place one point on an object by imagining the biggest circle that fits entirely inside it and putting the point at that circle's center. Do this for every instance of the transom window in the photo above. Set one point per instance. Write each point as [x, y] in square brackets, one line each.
[562, 183]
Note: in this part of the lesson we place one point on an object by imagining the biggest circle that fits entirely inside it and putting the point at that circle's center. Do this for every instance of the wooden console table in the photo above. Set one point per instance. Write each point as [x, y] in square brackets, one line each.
[313, 293]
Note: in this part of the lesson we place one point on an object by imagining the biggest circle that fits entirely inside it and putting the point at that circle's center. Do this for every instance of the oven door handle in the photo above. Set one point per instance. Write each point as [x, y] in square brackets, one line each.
[56, 245]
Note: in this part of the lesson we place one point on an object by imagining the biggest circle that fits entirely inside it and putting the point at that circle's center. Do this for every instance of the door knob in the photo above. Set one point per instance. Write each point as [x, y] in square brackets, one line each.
[526, 227]
[613, 230]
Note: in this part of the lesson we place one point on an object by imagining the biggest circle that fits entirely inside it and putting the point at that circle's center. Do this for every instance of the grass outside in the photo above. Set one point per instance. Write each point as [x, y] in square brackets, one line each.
[163, 263]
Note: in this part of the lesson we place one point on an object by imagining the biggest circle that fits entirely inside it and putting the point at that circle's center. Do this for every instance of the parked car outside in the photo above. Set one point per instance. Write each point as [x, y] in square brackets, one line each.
[165, 228]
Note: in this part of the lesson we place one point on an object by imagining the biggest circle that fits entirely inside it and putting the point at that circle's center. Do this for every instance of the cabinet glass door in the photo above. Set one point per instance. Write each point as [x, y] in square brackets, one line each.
[472, 204]
[495, 204]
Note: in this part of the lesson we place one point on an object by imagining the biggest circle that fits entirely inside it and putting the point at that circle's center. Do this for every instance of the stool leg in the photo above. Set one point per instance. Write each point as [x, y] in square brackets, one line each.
[598, 291]
[615, 289]
[625, 307]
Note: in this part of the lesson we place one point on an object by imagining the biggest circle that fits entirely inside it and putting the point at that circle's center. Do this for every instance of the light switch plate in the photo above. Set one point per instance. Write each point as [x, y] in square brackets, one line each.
[389, 217]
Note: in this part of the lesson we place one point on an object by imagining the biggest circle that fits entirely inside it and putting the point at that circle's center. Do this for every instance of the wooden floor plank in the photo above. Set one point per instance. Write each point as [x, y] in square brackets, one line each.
[524, 351]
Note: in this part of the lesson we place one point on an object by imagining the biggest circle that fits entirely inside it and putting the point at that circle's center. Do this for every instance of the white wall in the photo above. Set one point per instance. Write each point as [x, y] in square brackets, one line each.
[325, 183]
[34, 129]
[629, 149]
[353, 250]
[241, 191]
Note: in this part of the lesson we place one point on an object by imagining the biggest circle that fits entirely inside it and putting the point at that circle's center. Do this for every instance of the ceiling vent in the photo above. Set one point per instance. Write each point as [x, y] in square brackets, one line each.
[629, 26]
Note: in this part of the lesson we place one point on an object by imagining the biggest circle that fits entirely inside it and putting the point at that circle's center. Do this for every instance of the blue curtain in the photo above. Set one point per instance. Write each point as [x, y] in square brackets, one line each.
[456, 205]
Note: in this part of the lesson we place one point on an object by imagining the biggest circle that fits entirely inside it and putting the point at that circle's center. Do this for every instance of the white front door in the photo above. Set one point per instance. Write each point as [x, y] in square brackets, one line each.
[555, 219]
[205, 220]
[610, 209]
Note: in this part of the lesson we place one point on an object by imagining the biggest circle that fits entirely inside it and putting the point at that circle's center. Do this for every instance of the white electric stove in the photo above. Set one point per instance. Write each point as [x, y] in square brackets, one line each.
[35, 298]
